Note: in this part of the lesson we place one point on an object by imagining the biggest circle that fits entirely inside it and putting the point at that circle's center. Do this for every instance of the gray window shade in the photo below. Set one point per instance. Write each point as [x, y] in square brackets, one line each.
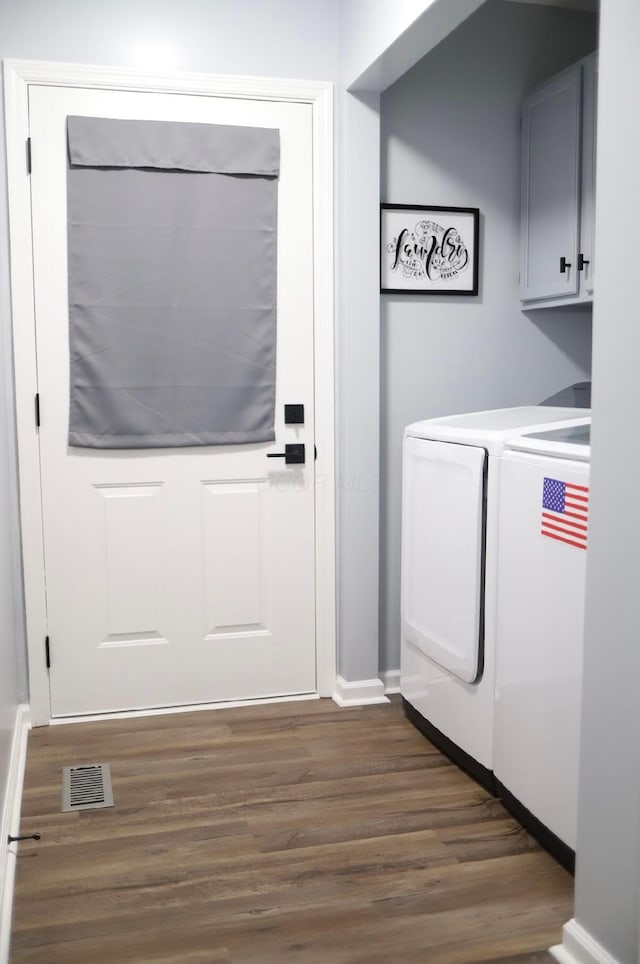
[172, 283]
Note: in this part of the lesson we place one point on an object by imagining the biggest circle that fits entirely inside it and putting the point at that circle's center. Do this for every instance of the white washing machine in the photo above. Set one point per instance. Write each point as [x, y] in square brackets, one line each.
[542, 541]
[449, 560]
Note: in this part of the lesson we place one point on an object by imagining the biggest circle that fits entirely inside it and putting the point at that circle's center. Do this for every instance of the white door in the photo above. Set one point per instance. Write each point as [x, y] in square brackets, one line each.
[175, 576]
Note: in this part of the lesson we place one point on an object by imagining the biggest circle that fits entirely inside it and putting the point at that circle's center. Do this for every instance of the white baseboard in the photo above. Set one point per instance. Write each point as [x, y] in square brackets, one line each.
[391, 680]
[579, 947]
[10, 824]
[361, 692]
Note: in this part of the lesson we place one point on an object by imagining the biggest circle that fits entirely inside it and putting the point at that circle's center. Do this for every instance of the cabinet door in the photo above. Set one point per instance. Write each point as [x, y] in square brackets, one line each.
[588, 199]
[551, 131]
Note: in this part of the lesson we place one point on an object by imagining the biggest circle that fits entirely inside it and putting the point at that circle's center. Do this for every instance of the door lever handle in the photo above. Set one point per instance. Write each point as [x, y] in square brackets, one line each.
[564, 264]
[293, 454]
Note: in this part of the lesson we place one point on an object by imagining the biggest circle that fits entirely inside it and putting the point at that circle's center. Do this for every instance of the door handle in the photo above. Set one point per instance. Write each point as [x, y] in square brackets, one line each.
[293, 454]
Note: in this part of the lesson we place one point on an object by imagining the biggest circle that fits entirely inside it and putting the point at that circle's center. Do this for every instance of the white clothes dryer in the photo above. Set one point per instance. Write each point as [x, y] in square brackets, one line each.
[542, 540]
[449, 569]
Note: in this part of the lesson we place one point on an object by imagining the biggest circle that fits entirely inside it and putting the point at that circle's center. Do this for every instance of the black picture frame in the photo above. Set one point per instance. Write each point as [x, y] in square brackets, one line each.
[428, 249]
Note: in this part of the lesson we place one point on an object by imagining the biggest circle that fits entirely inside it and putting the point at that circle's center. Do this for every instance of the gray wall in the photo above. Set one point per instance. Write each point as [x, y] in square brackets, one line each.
[450, 136]
[358, 386]
[374, 33]
[273, 38]
[607, 881]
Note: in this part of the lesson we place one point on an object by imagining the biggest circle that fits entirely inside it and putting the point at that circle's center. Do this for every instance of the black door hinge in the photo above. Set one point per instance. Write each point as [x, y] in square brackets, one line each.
[37, 403]
[28, 155]
[47, 650]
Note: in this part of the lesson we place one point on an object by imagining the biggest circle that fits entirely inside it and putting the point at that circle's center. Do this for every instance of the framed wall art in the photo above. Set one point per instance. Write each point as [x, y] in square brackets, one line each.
[428, 250]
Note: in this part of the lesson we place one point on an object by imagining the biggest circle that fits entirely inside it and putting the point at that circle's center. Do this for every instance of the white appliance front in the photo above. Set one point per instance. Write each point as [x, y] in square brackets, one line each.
[442, 553]
[449, 567]
[543, 532]
[461, 712]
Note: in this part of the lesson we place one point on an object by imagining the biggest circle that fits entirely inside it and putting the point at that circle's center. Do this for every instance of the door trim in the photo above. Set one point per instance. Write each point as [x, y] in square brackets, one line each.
[18, 76]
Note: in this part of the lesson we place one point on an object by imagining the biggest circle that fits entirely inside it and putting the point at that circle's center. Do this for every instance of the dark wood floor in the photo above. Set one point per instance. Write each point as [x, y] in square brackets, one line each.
[294, 831]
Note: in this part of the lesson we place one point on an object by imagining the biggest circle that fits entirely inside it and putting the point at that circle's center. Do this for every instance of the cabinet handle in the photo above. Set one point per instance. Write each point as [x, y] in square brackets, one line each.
[582, 261]
[564, 264]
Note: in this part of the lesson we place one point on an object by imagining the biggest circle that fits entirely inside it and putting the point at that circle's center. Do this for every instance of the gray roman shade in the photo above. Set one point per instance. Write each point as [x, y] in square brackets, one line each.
[172, 283]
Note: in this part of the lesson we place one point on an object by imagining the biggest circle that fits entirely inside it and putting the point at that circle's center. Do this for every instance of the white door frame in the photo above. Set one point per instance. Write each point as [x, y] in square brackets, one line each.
[18, 75]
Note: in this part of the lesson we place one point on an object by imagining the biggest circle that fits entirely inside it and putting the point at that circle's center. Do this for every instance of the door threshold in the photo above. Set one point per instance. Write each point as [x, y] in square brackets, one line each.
[167, 710]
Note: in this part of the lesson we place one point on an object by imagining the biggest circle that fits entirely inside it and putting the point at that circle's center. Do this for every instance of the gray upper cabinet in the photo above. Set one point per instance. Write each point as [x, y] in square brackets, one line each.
[588, 194]
[558, 176]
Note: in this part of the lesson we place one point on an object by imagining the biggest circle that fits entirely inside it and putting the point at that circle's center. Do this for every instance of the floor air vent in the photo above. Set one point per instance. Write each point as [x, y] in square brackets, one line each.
[87, 787]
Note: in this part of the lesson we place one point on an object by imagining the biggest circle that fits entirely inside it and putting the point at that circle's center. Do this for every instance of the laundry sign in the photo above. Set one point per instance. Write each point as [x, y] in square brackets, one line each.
[428, 250]
[565, 512]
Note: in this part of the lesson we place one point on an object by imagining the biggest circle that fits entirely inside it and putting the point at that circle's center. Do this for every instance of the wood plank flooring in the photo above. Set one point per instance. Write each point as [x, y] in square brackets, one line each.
[291, 831]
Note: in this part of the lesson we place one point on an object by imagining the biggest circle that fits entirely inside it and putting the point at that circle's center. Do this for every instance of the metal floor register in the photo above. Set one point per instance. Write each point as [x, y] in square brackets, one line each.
[86, 787]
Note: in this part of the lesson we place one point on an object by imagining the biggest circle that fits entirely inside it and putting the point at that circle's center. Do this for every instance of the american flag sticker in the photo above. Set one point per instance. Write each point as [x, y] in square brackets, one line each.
[565, 512]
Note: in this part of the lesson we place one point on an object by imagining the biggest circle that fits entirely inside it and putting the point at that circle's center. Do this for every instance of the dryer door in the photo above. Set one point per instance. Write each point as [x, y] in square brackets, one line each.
[442, 553]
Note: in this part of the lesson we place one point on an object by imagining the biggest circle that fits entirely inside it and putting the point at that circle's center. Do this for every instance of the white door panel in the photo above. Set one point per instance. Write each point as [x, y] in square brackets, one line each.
[442, 546]
[175, 576]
